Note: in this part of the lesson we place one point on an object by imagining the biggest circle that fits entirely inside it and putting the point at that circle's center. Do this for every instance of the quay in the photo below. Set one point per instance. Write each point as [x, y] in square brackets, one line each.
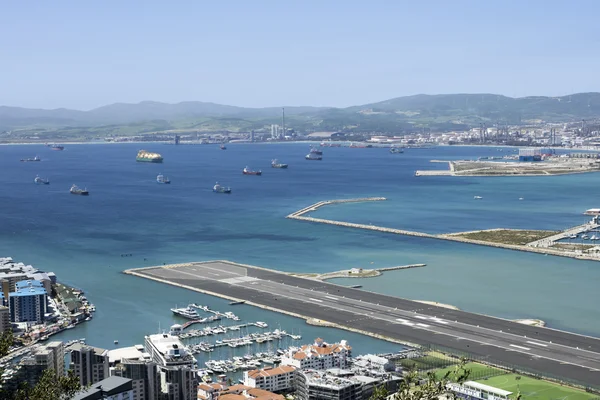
[543, 246]
[542, 350]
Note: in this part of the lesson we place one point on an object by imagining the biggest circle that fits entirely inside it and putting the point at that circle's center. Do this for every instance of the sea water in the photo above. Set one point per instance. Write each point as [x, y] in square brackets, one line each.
[85, 240]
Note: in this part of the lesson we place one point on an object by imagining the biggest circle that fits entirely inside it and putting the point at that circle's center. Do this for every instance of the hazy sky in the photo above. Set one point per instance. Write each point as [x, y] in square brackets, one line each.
[84, 54]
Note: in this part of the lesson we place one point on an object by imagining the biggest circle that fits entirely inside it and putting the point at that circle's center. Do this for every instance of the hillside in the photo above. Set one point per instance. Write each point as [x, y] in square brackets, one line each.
[402, 114]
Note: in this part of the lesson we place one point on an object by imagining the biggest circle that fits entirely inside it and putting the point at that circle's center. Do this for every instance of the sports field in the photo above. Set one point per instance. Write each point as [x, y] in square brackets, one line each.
[535, 389]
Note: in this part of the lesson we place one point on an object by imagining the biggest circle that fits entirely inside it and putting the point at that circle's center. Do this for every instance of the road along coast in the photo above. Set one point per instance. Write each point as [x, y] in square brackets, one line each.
[545, 351]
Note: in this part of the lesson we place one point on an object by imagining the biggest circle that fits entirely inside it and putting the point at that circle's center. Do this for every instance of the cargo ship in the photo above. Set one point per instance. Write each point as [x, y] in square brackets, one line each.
[146, 156]
[314, 150]
[276, 164]
[248, 171]
[76, 190]
[41, 181]
[313, 156]
[160, 178]
[221, 189]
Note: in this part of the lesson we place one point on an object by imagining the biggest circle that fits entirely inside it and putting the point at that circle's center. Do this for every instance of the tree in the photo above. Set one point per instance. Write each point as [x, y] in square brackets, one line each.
[50, 387]
[6, 341]
[431, 387]
[380, 393]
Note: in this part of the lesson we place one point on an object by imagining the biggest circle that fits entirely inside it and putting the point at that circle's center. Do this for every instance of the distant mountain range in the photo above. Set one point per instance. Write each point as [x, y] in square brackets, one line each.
[438, 112]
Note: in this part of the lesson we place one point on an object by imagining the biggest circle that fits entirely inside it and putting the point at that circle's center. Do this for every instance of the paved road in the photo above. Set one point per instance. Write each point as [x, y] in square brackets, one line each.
[548, 351]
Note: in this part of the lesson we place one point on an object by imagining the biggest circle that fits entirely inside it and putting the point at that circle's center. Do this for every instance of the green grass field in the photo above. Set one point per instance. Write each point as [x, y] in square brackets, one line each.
[535, 389]
[478, 371]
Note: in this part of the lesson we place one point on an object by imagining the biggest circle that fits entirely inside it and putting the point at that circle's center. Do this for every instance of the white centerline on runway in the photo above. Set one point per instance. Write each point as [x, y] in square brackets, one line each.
[423, 325]
[537, 344]
[519, 347]
[421, 317]
[317, 300]
[331, 298]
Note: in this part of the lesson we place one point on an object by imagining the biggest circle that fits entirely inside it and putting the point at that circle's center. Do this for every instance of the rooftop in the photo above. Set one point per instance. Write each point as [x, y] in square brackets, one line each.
[28, 291]
[257, 373]
[126, 353]
[486, 388]
[97, 350]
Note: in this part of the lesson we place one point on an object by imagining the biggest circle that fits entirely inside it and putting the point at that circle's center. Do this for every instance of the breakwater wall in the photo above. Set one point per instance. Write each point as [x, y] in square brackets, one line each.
[300, 215]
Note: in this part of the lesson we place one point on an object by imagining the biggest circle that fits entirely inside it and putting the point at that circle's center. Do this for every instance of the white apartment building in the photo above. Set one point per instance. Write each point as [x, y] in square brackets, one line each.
[272, 379]
[319, 356]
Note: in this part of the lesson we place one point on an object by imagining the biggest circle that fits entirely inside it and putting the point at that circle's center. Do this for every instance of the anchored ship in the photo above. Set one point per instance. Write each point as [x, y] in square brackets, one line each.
[41, 181]
[223, 147]
[160, 178]
[248, 171]
[146, 156]
[313, 156]
[57, 147]
[395, 150]
[36, 158]
[76, 190]
[221, 189]
[276, 164]
[314, 150]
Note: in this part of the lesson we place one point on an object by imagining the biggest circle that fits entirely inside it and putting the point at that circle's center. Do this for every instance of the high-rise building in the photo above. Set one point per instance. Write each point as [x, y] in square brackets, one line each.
[89, 363]
[111, 388]
[28, 302]
[177, 374]
[5, 324]
[32, 366]
[135, 364]
[57, 349]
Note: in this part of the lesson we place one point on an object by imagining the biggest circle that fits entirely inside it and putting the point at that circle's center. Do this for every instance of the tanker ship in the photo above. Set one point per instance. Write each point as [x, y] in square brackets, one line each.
[146, 156]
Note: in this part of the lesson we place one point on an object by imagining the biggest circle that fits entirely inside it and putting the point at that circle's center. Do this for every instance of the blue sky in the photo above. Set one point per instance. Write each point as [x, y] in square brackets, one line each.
[85, 54]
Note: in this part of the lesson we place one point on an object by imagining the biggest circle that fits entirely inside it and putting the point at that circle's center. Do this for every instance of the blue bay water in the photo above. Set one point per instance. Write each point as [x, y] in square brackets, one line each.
[82, 239]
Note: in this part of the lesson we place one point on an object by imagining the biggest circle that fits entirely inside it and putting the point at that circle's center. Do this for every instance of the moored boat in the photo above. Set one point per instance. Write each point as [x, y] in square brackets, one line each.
[188, 312]
[146, 156]
[76, 190]
[160, 178]
[248, 171]
[221, 189]
[276, 164]
[41, 181]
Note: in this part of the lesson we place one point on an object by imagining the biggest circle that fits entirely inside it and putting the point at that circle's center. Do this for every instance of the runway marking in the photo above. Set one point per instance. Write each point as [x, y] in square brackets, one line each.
[440, 321]
[423, 325]
[332, 298]
[537, 344]
[421, 317]
[519, 347]
[317, 300]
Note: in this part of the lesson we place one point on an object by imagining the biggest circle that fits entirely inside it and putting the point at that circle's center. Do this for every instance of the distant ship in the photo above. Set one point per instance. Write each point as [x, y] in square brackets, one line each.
[41, 181]
[276, 164]
[36, 158]
[76, 190]
[146, 156]
[160, 178]
[477, 197]
[396, 150]
[313, 156]
[314, 150]
[248, 171]
[188, 312]
[223, 147]
[221, 189]
[57, 147]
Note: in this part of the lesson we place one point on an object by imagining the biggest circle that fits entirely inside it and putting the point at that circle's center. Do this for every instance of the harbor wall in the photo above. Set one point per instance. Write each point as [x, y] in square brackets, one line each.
[299, 215]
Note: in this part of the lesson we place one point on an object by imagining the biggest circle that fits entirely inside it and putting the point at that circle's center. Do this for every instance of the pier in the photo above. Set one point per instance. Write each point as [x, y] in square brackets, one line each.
[560, 354]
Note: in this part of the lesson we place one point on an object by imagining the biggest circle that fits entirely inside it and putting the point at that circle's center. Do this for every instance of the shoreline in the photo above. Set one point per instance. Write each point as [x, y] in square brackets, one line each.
[350, 273]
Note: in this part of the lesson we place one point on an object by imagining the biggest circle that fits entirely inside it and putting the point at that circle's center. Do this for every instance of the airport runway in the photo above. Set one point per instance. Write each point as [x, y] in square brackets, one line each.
[549, 352]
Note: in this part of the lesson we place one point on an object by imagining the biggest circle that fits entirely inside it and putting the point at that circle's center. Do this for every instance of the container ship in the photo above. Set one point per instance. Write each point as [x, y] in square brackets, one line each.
[146, 156]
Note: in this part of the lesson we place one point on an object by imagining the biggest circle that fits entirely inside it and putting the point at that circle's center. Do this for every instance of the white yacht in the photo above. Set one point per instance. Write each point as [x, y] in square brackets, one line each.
[188, 312]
